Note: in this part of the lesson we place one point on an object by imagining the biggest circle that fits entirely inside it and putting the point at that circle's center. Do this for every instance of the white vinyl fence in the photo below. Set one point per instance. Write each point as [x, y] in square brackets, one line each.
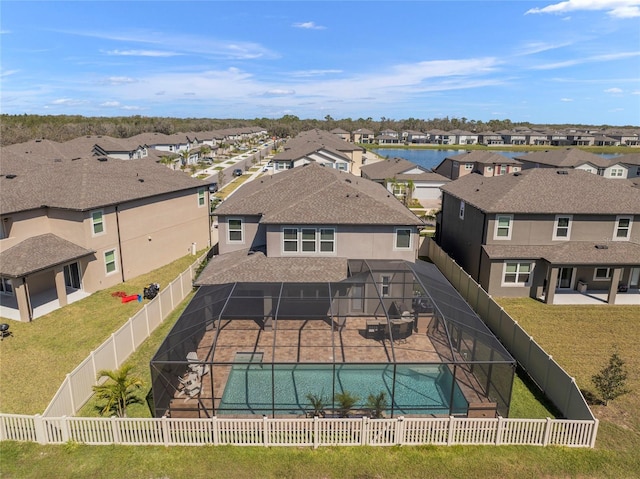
[301, 432]
[76, 389]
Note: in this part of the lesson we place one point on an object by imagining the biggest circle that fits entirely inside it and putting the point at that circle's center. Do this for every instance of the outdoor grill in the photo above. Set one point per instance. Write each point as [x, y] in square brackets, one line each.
[4, 330]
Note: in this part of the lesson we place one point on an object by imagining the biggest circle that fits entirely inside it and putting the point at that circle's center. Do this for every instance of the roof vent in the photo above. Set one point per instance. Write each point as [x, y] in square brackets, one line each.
[57, 160]
[517, 173]
[102, 158]
[141, 180]
[602, 246]
[10, 176]
[347, 180]
[38, 140]
[562, 172]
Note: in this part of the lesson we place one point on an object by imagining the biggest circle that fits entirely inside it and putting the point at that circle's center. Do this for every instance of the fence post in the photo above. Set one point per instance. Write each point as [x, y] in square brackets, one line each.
[115, 432]
[265, 431]
[499, 430]
[400, 440]
[594, 433]
[133, 339]
[64, 423]
[67, 379]
[165, 430]
[451, 431]
[41, 433]
[316, 432]
[115, 350]
[146, 319]
[364, 432]
[547, 432]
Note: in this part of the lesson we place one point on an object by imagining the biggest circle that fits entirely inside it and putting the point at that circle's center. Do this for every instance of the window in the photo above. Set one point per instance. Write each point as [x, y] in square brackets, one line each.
[341, 166]
[623, 228]
[503, 227]
[468, 166]
[617, 172]
[201, 197]
[562, 227]
[308, 240]
[290, 239]
[461, 212]
[601, 274]
[235, 230]
[385, 285]
[97, 222]
[403, 238]
[398, 189]
[110, 261]
[5, 286]
[503, 169]
[327, 240]
[517, 274]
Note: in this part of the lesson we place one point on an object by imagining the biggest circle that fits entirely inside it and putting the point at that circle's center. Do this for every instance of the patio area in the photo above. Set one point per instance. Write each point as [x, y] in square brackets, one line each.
[41, 303]
[593, 297]
[331, 332]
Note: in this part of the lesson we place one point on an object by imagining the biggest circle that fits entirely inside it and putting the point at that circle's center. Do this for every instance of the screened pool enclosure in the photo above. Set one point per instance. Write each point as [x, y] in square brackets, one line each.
[273, 349]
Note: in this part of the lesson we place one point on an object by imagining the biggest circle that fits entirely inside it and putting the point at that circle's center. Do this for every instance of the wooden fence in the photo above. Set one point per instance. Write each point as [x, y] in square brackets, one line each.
[302, 432]
[76, 389]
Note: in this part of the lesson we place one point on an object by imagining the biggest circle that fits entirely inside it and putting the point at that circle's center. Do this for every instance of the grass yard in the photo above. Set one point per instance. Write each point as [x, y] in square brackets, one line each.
[37, 357]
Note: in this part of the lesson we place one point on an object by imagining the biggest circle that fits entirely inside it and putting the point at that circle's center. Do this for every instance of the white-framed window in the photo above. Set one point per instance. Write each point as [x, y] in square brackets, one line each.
[402, 238]
[97, 222]
[503, 227]
[617, 172]
[385, 285]
[517, 273]
[562, 227]
[342, 166]
[461, 210]
[602, 274]
[327, 240]
[235, 230]
[622, 231]
[503, 169]
[110, 263]
[5, 286]
[202, 200]
[308, 238]
[290, 240]
[398, 189]
[468, 166]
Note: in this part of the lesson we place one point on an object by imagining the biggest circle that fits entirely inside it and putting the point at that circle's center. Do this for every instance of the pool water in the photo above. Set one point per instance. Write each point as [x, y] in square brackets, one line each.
[419, 389]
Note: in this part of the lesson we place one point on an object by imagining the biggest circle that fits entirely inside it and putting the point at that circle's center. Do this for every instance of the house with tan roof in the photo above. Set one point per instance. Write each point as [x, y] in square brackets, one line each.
[311, 218]
[407, 181]
[544, 233]
[487, 163]
[574, 158]
[70, 227]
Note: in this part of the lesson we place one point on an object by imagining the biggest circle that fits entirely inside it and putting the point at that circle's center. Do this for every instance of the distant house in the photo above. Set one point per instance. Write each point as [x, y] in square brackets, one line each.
[631, 162]
[576, 159]
[490, 138]
[487, 163]
[543, 232]
[317, 213]
[70, 227]
[463, 137]
[407, 180]
[415, 137]
[322, 147]
[625, 137]
[344, 135]
[363, 135]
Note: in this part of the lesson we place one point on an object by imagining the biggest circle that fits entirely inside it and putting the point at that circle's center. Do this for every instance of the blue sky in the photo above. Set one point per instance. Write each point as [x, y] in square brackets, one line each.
[576, 61]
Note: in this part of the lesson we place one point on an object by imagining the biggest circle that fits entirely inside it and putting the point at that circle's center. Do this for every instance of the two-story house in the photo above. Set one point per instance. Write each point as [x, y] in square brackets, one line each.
[314, 218]
[363, 135]
[575, 158]
[70, 227]
[542, 232]
[487, 163]
[406, 181]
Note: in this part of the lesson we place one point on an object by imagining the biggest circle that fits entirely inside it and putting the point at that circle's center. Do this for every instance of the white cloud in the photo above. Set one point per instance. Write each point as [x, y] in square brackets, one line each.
[309, 26]
[110, 104]
[119, 80]
[613, 90]
[614, 8]
[593, 59]
[142, 53]
[313, 73]
[68, 102]
[7, 73]
[132, 108]
[566, 99]
[279, 92]
[635, 92]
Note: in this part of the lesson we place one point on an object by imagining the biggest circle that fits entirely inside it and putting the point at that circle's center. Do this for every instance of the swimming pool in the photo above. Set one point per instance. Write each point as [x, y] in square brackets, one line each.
[419, 389]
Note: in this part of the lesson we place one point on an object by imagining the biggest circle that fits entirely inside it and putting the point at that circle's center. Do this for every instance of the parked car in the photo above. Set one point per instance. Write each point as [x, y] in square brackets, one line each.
[267, 168]
[237, 172]
[213, 187]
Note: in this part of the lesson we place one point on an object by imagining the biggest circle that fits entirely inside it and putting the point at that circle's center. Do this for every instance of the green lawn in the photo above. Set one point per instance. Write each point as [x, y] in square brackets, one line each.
[46, 349]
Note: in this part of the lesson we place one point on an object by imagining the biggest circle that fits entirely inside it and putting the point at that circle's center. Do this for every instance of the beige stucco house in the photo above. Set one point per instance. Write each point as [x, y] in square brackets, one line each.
[542, 232]
[487, 163]
[70, 227]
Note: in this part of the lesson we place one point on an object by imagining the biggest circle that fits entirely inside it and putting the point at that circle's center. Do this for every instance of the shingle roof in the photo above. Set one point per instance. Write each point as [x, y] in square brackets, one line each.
[546, 190]
[565, 158]
[313, 194]
[484, 157]
[38, 253]
[242, 266]
[571, 252]
[394, 168]
[85, 183]
[630, 159]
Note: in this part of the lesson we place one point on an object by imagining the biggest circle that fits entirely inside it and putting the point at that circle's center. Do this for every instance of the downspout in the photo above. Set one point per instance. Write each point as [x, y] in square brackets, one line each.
[483, 241]
[28, 297]
[119, 244]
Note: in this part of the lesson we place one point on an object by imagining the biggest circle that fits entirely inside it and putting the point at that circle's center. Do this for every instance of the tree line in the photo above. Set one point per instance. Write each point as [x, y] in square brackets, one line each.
[21, 128]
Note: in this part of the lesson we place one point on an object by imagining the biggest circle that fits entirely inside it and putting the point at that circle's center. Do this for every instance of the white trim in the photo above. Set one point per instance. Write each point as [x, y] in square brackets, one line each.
[299, 241]
[496, 226]
[617, 226]
[517, 273]
[5, 280]
[102, 222]
[599, 278]
[568, 228]
[395, 239]
[241, 240]
[385, 285]
[115, 262]
[201, 196]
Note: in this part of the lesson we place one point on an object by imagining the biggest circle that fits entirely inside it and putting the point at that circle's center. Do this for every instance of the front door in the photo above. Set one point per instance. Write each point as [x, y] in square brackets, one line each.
[72, 276]
[634, 278]
[565, 278]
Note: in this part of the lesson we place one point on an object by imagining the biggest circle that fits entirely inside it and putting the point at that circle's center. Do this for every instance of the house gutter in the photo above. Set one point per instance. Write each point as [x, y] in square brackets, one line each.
[119, 244]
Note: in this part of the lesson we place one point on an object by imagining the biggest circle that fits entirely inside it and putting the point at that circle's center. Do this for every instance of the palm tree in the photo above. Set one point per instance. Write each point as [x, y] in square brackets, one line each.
[377, 403]
[317, 404]
[345, 401]
[119, 390]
